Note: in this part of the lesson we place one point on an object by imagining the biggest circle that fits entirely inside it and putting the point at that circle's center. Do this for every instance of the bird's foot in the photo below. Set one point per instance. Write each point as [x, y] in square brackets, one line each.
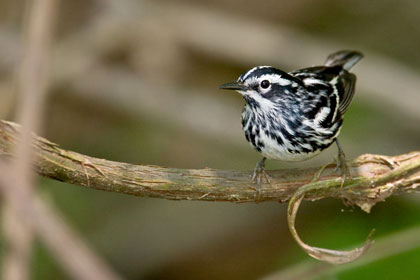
[259, 172]
[344, 169]
[341, 163]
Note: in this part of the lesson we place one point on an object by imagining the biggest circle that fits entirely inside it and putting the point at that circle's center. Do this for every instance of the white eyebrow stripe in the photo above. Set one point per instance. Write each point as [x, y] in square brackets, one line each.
[253, 70]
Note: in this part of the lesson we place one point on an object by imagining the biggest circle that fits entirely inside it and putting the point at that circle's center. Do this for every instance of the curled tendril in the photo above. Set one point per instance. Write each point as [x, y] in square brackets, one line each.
[327, 255]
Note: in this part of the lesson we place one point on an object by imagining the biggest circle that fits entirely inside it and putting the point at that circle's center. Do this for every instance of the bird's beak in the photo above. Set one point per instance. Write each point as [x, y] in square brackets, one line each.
[234, 86]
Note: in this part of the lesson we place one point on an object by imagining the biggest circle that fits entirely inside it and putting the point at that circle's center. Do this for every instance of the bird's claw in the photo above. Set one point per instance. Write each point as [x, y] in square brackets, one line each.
[340, 163]
[259, 171]
[343, 167]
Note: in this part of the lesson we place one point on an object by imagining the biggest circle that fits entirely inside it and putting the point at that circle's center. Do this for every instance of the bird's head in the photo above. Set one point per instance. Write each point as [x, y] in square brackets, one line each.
[262, 84]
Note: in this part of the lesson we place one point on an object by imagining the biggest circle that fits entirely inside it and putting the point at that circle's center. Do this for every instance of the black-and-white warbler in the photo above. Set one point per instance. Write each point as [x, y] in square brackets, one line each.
[294, 116]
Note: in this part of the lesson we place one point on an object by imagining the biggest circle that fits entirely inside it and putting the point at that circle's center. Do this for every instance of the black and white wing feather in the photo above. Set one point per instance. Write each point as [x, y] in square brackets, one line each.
[334, 75]
[346, 60]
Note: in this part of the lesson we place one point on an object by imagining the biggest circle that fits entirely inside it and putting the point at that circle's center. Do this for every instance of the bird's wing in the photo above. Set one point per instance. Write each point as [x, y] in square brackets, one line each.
[341, 81]
[335, 72]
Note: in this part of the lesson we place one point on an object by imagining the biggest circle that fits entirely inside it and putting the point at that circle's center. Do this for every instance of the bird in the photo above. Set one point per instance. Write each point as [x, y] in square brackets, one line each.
[294, 116]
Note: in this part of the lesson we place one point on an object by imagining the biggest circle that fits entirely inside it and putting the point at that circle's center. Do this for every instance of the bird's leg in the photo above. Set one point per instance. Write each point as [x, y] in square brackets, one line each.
[341, 163]
[258, 172]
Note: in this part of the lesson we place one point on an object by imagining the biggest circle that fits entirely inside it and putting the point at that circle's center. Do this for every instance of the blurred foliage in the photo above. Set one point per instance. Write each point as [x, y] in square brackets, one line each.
[401, 266]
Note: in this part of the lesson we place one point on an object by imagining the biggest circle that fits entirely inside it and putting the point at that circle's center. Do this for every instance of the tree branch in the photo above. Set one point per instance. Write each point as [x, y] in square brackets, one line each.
[374, 177]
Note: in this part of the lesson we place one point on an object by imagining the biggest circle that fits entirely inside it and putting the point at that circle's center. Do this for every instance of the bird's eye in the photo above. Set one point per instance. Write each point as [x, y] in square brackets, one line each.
[265, 84]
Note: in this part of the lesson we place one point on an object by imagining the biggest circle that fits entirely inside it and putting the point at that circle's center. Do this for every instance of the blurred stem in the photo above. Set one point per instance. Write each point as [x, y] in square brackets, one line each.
[374, 177]
[385, 247]
[32, 84]
[69, 250]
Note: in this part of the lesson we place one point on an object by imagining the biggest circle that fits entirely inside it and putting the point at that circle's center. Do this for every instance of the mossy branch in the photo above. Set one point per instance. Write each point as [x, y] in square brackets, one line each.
[374, 177]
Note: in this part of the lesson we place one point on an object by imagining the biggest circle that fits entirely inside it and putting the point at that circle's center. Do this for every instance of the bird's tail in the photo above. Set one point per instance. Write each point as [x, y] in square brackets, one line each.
[346, 59]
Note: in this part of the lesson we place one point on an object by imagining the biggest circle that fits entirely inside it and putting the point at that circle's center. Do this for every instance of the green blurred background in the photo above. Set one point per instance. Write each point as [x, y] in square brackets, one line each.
[137, 81]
